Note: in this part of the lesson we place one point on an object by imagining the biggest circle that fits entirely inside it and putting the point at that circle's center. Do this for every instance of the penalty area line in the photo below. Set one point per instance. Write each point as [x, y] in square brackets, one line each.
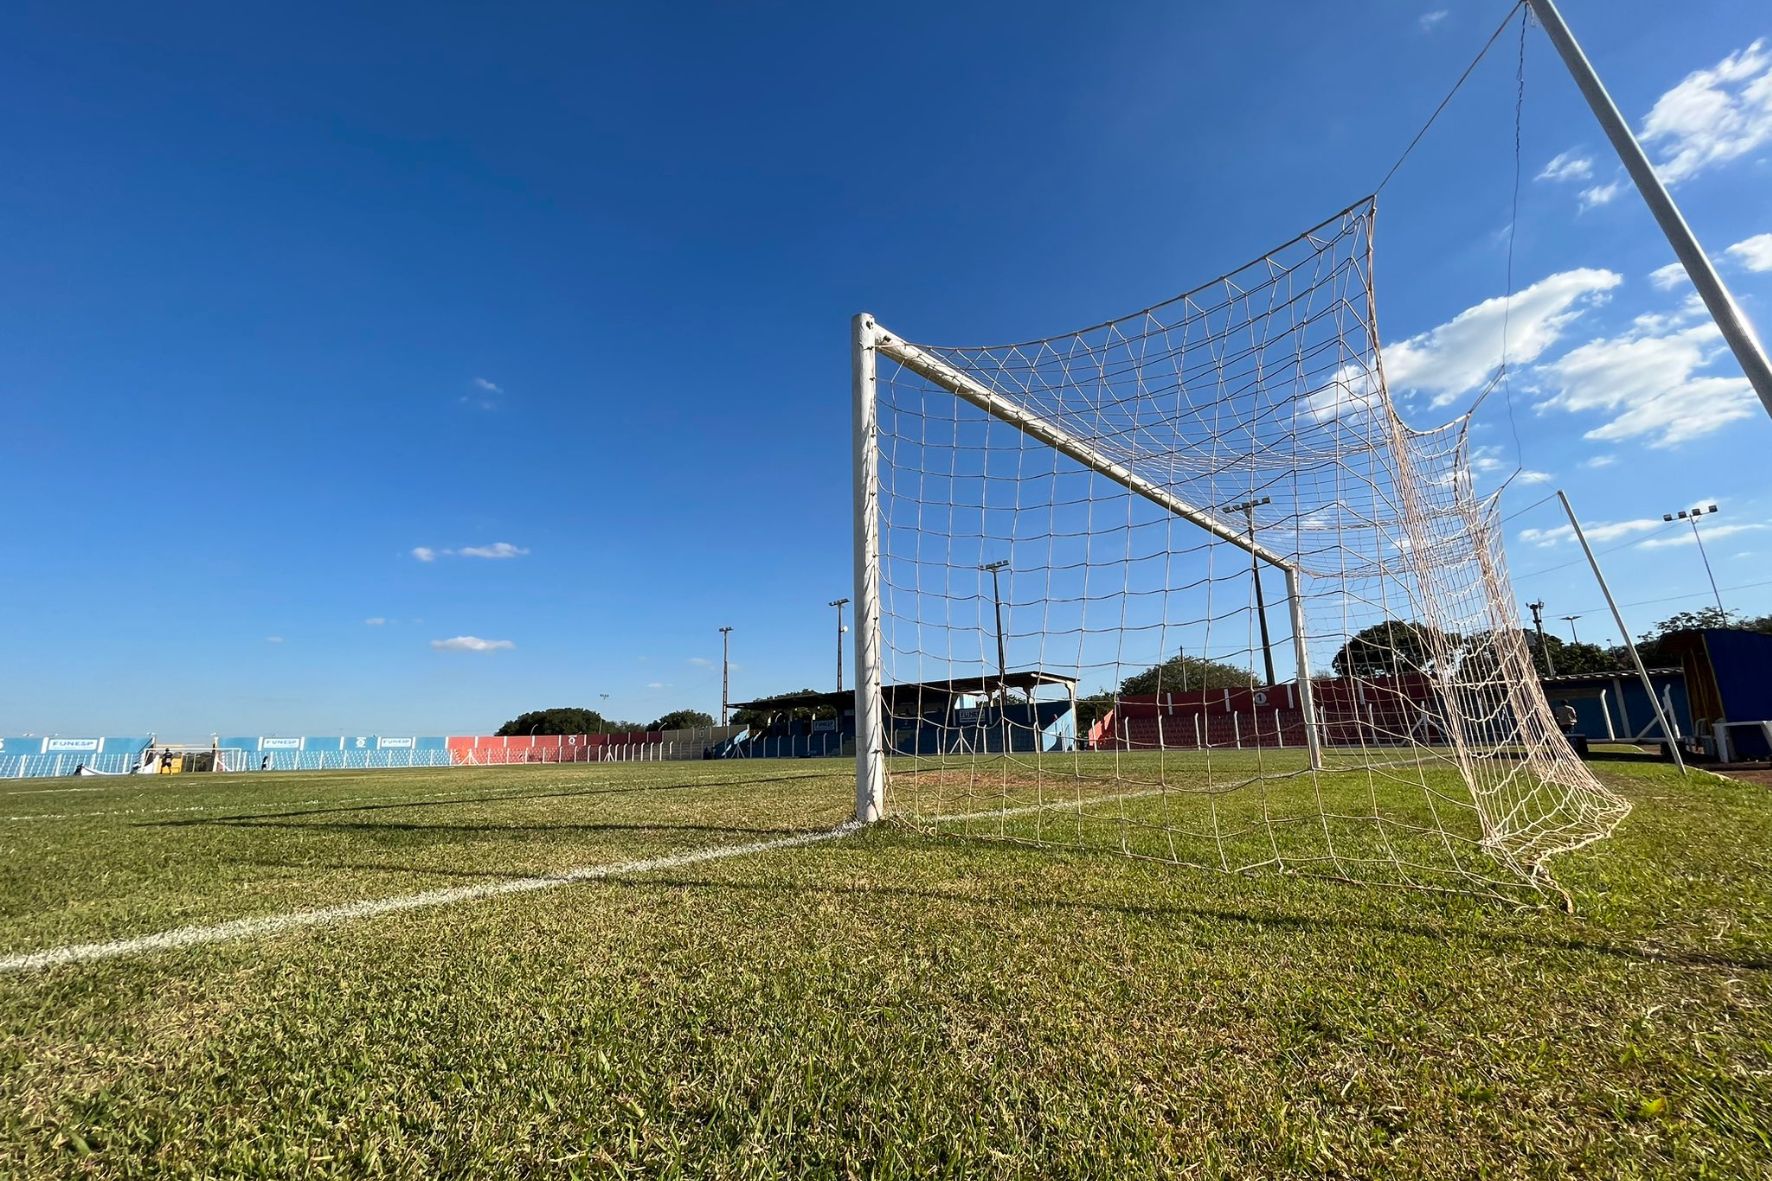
[81, 953]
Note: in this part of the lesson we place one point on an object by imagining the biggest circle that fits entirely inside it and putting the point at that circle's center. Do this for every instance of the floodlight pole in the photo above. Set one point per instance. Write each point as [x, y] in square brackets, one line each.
[1734, 326]
[1574, 636]
[1690, 516]
[838, 604]
[1667, 731]
[1537, 609]
[725, 673]
[1248, 508]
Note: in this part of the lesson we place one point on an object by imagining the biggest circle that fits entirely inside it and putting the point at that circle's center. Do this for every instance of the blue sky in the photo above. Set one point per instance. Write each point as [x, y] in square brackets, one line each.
[560, 298]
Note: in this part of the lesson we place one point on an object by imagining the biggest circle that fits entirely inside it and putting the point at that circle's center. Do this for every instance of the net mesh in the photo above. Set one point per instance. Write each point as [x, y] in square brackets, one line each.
[1136, 650]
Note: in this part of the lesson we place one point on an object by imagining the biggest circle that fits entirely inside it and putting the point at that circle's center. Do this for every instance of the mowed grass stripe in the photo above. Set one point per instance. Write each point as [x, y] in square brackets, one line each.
[277, 924]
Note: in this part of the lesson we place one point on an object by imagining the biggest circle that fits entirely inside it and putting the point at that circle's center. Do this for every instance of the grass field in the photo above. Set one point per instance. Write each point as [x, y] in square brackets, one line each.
[875, 1003]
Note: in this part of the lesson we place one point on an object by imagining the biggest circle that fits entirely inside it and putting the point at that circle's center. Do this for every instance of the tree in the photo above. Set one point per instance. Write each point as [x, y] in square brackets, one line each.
[1186, 674]
[1393, 648]
[1570, 658]
[563, 720]
[683, 719]
[1654, 652]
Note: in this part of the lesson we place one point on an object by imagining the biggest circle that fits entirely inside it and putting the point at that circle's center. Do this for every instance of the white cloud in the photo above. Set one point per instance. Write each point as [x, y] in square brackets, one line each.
[656, 685]
[1601, 194]
[1755, 253]
[700, 662]
[1600, 461]
[1487, 459]
[374, 621]
[1529, 476]
[1713, 115]
[1668, 277]
[273, 639]
[486, 396]
[1459, 355]
[1567, 166]
[1711, 533]
[1430, 19]
[470, 644]
[1650, 382]
[1597, 532]
[498, 550]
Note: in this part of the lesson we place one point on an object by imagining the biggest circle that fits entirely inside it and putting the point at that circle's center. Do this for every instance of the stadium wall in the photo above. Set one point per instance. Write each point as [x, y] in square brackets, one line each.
[37, 755]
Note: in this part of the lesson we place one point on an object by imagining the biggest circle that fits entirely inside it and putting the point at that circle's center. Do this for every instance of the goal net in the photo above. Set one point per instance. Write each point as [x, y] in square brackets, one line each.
[1184, 586]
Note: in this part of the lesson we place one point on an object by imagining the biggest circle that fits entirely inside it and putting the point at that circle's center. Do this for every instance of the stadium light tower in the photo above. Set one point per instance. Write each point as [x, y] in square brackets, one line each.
[1248, 508]
[995, 568]
[1570, 620]
[838, 604]
[725, 673]
[600, 718]
[1690, 516]
[1537, 609]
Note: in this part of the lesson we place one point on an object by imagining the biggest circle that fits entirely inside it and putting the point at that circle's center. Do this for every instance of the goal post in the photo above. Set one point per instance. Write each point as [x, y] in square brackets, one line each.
[873, 340]
[1091, 512]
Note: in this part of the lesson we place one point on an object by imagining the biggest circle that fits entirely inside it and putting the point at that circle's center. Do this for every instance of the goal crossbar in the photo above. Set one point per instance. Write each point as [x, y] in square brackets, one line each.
[999, 407]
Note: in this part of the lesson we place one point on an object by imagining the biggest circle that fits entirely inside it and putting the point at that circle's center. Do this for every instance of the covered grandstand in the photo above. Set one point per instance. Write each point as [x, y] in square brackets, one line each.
[1015, 711]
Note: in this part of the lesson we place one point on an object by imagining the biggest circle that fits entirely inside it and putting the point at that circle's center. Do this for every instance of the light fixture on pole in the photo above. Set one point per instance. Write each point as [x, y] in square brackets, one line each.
[1537, 609]
[996, 568]
[1247, 508]
[1570, 620]
[838, 604]
[1690, 516]
[600, 718]
[725, 667]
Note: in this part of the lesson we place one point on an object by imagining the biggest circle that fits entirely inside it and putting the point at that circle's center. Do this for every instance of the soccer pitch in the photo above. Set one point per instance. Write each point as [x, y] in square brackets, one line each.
[676, 969]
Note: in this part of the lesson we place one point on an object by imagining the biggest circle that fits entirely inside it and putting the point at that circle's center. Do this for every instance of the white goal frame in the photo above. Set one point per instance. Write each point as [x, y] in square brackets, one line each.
[870, 340]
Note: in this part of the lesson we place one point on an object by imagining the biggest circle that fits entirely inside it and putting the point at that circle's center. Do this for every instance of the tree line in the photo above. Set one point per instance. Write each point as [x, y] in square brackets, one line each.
[577, 720]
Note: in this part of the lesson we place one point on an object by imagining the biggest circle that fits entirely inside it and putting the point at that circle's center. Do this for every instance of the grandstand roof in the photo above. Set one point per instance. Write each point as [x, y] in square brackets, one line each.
[1027, 681]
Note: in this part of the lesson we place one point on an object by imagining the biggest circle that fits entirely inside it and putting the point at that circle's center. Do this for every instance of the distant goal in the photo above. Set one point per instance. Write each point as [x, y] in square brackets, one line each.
[1184, 586]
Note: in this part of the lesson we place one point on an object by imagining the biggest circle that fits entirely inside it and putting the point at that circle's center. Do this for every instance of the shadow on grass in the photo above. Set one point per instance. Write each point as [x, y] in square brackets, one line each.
[366, 826]
[1270, 921]
[457, 800]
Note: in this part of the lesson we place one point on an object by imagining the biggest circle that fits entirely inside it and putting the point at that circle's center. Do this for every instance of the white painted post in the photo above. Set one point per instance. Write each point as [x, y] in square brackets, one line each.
[870, 747]
[1668, 731]
[1279, 734]
[1237, 729]
[1717, 299]
[1307, 698]
[1199, 736]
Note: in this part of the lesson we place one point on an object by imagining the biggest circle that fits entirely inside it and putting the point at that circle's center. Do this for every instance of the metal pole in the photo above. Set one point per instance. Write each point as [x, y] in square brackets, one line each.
[870, 746]
[1717, 299]
[1574, 636]
[1537, 609]
[1667, 731]
[997, 599]
[725, 673]
[838, 604]
[1696, 536]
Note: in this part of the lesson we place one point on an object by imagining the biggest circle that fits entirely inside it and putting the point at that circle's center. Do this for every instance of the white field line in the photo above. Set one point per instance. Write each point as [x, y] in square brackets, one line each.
[81, 953]
[270, 809]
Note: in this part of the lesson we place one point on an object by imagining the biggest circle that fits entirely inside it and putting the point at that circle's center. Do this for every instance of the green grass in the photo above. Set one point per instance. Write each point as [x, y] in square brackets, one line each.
[889, 1003]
